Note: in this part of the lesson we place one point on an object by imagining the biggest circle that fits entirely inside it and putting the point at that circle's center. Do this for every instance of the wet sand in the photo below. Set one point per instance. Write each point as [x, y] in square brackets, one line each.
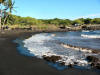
[13, 63]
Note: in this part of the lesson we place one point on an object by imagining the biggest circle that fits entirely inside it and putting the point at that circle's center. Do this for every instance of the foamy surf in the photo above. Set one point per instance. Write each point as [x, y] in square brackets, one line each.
[90, 36]
[45, 44]
[85, 31]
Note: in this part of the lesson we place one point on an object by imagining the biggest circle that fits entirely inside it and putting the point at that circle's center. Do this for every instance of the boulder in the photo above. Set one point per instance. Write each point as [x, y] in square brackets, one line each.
[52, 58]
[95, 62]
[92, 59]
[62, 63]
[96, 51]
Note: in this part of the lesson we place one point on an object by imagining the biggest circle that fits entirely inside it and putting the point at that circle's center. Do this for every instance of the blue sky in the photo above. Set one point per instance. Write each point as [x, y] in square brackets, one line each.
[64, 9]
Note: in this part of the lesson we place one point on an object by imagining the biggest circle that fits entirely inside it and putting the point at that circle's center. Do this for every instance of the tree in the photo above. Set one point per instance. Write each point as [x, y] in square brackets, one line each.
[68, 22]
[77, 22]
[5, 10]
[87, 21]
[9, 6]
[82, 20]
[96, 21]
[54, 21]
[1, 5]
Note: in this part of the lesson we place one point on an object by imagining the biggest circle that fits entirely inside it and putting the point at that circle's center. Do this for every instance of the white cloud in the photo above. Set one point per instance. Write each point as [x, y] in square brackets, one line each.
[92, 16]
[97, 15]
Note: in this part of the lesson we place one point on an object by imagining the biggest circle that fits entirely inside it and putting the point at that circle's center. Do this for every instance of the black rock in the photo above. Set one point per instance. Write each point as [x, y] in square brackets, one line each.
[92, 59]
[51, 58]
[95, 62]
[95, 51]
[62, 63]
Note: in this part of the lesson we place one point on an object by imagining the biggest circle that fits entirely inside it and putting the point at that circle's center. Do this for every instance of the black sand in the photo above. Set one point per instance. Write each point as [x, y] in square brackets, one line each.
[13, 63]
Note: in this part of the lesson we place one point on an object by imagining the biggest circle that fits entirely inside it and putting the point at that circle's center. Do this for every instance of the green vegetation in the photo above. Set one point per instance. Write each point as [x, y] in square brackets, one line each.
[29, 21]
[6, 7]
[6, 18]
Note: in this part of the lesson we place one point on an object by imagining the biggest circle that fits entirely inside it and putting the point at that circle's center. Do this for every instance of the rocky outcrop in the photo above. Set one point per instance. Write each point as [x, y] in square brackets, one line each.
[52, 58]
[96, 51]
[95, 62]
[77, 48]
[87, 50]
[91, 27]
[92, 60]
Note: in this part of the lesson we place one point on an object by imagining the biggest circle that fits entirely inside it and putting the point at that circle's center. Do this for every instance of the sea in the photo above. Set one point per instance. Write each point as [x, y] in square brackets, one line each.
[49, 44]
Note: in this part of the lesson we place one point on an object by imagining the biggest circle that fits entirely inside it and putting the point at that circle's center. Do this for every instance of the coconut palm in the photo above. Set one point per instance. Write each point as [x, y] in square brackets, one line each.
[6, 7]
[9, 6]
[1, 3]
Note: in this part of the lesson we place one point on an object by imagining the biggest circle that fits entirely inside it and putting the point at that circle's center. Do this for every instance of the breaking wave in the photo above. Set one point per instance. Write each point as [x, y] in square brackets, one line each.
[46, 44]
[90, 36]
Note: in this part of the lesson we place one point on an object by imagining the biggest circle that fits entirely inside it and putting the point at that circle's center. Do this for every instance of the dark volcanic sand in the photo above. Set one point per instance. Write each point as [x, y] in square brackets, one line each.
[13, 63]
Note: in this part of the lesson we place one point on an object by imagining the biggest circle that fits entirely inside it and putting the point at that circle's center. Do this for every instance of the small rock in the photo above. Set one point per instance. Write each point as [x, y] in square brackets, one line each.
[95, 51]
[62, 63]
[95, 62]
[98, 65]
[70, 65]
[92, 58]
[52, 58]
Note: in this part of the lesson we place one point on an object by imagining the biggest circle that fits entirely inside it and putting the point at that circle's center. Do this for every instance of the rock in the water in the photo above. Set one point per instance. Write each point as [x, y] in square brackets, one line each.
[92, 59]
[98, 65]
[70, 65]
[95, 65]
[95, 62]
[51, 58]
[96, 51]
[62, 63]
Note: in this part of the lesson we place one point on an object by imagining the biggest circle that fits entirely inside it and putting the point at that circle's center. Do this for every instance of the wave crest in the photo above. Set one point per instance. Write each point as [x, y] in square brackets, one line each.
[90, 36]
[44, 44]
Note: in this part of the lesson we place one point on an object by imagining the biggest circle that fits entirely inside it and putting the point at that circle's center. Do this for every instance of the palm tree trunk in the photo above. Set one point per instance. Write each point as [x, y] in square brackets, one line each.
[0, 16]
[5, 19]
[0, 23]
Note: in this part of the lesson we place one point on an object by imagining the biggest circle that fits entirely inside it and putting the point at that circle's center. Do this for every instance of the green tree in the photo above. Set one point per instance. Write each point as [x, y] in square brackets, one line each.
[9, 6]
[1, 10]
[87, 21]
[77, 22]
[96, 21]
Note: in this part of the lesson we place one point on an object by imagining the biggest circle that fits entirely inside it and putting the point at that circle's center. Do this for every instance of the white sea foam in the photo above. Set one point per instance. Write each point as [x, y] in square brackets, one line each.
[85, 31]
[44, 44]
[90, 36]
[98, 31]
[35, 44]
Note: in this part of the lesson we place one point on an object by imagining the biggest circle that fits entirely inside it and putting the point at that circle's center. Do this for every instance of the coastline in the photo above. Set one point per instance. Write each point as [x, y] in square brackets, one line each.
[13, 63]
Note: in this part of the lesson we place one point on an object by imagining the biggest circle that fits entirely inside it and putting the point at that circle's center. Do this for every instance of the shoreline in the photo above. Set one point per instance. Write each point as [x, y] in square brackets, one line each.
[13, 63]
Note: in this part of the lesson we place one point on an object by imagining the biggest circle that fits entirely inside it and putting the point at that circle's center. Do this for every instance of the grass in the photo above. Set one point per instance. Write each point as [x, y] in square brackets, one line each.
[40, 27]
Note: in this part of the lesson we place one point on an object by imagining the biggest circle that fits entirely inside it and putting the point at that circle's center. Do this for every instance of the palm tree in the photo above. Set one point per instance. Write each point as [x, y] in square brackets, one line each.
[9, 7]
[1, 2]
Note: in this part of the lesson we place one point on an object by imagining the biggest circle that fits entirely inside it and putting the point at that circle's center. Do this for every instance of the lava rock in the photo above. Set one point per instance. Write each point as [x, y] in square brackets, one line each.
[70, 65]
[92, 59]
[95, 51]
[62, 63]
[98, 65]
[51, 58]
[95, 62]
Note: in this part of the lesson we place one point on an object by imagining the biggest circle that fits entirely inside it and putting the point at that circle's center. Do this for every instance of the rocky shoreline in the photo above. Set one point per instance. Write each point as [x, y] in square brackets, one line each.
[87, 50]
[92, 59]
[13, 63]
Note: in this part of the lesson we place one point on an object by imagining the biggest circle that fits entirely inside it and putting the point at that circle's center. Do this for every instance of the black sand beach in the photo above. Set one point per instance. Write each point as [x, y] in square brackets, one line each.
[13, 63]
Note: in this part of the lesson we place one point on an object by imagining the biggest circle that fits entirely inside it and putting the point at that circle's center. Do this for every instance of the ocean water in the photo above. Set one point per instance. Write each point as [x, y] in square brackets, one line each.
[50, 44]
